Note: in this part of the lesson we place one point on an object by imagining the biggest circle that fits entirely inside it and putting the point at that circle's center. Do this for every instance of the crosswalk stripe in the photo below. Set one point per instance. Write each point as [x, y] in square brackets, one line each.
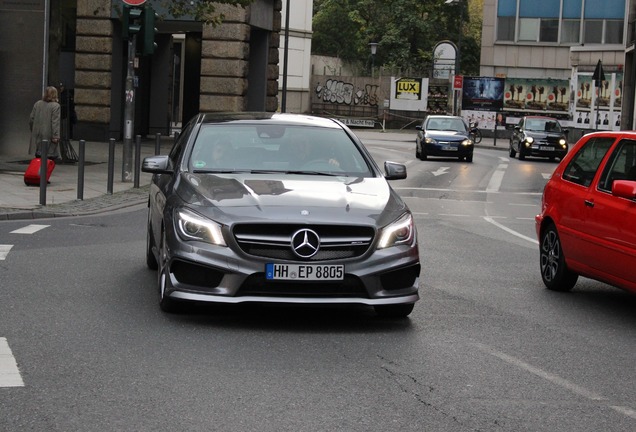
[29, 229]
[9, 373]
[4, 251]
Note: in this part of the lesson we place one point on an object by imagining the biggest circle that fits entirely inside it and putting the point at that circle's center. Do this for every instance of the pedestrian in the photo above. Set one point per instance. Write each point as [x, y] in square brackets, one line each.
[44, 123]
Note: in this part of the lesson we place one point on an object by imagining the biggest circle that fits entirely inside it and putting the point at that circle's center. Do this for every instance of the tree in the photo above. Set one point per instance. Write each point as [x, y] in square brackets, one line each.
[406, 30]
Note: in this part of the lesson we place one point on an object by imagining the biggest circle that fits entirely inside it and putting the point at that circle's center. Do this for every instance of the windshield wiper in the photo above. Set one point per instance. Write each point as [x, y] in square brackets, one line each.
[322, 173]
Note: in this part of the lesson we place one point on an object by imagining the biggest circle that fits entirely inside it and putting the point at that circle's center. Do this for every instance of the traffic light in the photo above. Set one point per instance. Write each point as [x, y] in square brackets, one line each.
[131, 21]
[148, 29]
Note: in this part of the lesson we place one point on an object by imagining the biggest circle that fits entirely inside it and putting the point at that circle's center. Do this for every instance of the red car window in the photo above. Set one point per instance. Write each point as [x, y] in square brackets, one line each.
[583, 166]
[621, 166]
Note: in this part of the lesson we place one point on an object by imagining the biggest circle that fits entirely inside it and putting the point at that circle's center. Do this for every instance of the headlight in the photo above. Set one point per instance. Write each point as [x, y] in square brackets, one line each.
[430, 141]
[529, 140]
[562, 142]
[400, 232]
[192, 226]
[467, 142]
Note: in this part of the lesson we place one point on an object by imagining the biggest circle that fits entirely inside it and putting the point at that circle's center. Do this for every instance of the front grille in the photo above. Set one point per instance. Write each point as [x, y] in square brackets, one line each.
[257, 285]
[273, 241]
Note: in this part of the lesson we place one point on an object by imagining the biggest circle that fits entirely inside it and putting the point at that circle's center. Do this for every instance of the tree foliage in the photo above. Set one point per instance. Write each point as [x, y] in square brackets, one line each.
[406, 31]
[202, 10]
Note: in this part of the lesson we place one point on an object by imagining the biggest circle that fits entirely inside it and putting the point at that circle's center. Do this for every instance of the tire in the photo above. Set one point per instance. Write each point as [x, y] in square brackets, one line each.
[512, 151]
[418, 152]
[151, 260]
[469, 158]
[394, 310]
[477, 134]
[554, 272]
[521, 155]
[166, 304]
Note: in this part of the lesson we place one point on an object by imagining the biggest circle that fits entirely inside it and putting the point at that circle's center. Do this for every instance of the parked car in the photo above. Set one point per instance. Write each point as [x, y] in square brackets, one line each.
[539, 136]
[278, 208]
[441, 135]
[587, 222]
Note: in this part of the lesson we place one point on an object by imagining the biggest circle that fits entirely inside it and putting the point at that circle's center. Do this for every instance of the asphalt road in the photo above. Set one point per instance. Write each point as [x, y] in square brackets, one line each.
[488, 348]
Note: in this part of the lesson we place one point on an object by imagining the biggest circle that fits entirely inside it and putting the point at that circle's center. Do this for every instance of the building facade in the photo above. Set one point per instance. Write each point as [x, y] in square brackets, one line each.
[235, 66]
[563, 40]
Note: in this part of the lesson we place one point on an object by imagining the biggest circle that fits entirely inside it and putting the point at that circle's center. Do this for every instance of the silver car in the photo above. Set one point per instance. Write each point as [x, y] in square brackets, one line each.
[278, 208]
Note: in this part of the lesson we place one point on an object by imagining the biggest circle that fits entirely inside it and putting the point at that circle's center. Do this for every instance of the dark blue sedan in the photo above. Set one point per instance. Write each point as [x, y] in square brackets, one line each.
[442, 135]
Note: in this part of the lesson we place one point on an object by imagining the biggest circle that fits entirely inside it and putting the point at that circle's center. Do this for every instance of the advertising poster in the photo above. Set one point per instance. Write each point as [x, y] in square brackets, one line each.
[536, 96]
[605, 101]
[482, 93]
[409, 94]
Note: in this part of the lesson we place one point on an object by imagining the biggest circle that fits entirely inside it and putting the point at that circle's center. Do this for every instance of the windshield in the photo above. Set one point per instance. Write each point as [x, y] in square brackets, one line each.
[273, 148]
[543, 125]
[446, 124]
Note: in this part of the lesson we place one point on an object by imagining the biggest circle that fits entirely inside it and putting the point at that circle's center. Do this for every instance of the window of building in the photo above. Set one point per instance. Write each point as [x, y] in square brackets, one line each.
[560, 21]
[593, 31]
[570, 31]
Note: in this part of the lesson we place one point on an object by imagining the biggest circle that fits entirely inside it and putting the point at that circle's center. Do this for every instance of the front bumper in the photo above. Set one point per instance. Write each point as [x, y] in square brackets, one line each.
[201, 272]
[449, 149]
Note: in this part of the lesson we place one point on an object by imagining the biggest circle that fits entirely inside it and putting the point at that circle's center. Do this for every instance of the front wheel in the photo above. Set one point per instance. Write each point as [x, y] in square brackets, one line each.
[476, 136]
[394, 310]
[512, 151]
[554, 272]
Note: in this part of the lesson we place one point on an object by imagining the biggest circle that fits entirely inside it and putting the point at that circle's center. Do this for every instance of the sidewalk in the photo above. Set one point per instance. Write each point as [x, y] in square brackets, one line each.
[18, 201]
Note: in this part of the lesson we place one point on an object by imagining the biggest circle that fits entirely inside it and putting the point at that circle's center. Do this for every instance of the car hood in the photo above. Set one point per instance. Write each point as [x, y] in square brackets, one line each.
[446, 135]
[230, 198]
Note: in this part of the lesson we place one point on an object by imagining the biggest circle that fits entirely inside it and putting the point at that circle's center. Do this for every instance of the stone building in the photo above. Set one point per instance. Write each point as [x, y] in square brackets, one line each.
[235, 66]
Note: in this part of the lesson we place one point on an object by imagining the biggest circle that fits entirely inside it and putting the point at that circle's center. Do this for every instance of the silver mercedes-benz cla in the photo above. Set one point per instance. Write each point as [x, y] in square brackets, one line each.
[278, 208]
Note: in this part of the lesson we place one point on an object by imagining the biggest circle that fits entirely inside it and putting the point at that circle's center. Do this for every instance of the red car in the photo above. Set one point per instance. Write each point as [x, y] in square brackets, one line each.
[587, 225]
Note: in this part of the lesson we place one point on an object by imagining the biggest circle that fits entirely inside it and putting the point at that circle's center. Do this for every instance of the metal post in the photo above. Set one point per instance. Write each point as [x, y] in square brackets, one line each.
[111, 166]
[157, 144]
[129, 114]
[283, 105]
[44, 149]
[137, 160]
[80, 170]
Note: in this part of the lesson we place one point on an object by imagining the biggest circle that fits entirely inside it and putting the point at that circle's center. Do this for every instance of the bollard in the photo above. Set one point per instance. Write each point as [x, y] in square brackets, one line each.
[111, 165]
[158, 144]
[80, 170]
[137, 160]
[44, 149]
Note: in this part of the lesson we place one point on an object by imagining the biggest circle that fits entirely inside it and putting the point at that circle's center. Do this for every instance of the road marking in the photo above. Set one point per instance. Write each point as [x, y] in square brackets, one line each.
[440, 171]
[29, 229]
[546, 176]
[9, 372]
[554, 379]
[508, 230]
[4, 251]
[497, 178]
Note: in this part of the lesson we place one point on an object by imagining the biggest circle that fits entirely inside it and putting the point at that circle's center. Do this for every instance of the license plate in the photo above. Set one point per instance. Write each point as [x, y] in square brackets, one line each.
[449, 148]
[547, 148]
[304, 272]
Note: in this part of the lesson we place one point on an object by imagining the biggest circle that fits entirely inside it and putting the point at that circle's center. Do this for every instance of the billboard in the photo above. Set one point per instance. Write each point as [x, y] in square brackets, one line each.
[409, 94]
[483, 93]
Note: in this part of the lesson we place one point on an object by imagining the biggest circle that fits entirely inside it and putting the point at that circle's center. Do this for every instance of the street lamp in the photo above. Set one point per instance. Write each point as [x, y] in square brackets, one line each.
[374, 49]
[458, 58]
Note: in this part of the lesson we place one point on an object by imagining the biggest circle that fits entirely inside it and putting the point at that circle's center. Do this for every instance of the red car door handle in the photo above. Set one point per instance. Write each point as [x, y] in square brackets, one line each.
[589, 203]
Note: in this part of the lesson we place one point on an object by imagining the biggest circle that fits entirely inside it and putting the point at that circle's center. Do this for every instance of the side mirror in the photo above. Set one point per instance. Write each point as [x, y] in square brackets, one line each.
[566, 132]
[394, 171]
[157, 165]
[418, 127]
[624, 189]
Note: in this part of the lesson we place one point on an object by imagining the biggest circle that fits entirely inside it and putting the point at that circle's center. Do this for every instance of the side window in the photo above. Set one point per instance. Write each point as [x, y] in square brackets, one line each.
[621, 165]
[583, 166]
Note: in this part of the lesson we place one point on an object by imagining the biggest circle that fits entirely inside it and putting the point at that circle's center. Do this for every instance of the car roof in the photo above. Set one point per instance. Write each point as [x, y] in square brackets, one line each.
[268, 117]
[437, 116]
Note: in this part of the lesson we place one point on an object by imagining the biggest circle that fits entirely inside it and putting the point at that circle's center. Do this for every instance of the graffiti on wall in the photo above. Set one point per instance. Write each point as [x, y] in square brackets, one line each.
[340, 92]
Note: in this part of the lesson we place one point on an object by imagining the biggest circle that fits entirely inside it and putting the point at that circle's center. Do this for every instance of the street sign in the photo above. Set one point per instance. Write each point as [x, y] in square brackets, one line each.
[134, 2]
[458, 82]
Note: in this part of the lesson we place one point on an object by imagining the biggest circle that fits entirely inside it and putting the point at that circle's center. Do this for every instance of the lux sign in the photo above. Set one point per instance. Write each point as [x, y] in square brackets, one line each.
[408, 87]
